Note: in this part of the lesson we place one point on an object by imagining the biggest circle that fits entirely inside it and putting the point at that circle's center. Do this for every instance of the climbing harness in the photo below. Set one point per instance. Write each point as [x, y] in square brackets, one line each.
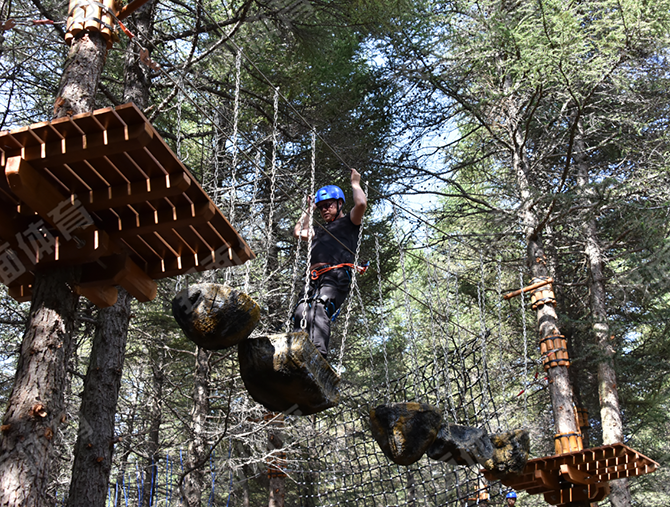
[360, 268]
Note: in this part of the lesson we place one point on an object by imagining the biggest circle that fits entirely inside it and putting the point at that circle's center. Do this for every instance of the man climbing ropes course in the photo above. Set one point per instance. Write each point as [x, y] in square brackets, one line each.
[331, 258]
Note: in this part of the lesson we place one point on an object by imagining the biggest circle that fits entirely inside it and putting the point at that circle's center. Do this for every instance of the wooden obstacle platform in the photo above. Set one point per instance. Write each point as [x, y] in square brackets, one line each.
[103, 191]
[577, 476]
[286, 373]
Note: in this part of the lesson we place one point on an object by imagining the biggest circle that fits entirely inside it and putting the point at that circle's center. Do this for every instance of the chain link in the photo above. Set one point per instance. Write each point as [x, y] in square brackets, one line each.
[500, 341]
[310, 231]
[525, 351]
[273, 189]
[354, 285]
[254, 214]
[382, 312]
[408, 306]
[294, 277]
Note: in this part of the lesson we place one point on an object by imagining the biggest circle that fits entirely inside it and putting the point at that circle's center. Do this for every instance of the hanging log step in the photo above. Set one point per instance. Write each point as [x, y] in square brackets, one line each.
[462, 445]
[215, 316]
[404, 431]
[286, 373]
[510, 452]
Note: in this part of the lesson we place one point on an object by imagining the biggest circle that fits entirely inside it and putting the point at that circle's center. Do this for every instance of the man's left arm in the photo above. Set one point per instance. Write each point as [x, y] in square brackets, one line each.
[360, 201]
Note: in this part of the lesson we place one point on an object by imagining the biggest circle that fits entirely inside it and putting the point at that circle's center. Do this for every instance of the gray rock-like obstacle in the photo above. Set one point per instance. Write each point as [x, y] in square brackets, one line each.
[404, 431]
[461, 445]
[215, 316]
[510, 452]
[286, 373]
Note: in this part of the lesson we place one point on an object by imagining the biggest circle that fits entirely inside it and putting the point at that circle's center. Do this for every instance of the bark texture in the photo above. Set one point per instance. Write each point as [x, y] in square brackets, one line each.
[610, 409]
[81, 75]
[153, 437]
[194, 481]
[94, 447]
[277, 478]
[137, 78]
[36, 405]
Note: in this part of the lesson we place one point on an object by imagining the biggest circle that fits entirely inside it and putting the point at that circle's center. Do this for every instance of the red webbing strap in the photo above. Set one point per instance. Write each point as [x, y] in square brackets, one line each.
[316, 273]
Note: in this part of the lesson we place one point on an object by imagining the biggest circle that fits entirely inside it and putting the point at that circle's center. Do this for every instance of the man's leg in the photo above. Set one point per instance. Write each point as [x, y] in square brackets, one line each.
[324, 301]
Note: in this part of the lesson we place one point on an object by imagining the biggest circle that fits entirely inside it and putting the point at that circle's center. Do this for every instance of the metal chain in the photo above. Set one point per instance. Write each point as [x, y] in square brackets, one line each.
[500, 341]
[294, 277]
[310, 230]
[445, 341]
[525, 351]
[254, 214]
[382, 312]
[458, 338]
[408, 307]
[180, 101]
[354, 285]
[483, 333]
[273, 184]
[433, 334]
[235, 148]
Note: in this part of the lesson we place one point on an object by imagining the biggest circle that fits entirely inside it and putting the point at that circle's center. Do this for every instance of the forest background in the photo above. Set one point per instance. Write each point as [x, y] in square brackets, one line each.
[479, 128]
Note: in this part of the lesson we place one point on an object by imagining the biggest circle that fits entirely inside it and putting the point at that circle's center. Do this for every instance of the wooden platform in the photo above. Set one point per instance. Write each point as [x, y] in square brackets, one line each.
[577, 476]
[104, 191]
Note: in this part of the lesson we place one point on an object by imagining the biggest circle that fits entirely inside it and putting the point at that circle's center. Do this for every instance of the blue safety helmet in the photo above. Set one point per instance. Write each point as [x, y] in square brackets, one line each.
[511, 494]
[329, 192]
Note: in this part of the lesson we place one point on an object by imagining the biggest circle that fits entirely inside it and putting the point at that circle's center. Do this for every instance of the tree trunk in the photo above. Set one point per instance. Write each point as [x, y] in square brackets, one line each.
[137, 78]
[95, 440]
[197, 449]
[36, 405]
[560, 389]
[277, 462]
[155, 418]
[81, 75]
[610, 410]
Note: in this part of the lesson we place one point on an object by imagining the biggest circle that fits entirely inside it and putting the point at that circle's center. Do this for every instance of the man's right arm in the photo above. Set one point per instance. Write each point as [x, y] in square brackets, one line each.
[303, 229]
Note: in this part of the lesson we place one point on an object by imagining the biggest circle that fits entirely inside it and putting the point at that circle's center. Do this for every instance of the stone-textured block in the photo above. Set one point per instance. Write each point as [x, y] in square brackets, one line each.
[215, 316]
[286, 373]
[510, 452]
[461, 445]
[404, 431]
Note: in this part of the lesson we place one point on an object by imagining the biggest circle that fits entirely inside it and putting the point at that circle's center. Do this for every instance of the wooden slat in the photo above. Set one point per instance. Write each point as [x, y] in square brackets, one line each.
[32, 188]
[100, 144]
[164, 219]
[136, 192]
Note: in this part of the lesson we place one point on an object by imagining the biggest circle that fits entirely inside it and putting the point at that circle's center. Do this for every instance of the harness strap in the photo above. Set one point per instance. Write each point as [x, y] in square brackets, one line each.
[361, 268]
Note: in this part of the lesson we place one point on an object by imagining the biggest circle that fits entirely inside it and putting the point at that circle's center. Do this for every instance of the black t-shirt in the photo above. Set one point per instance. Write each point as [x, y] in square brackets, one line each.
[327, 249]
